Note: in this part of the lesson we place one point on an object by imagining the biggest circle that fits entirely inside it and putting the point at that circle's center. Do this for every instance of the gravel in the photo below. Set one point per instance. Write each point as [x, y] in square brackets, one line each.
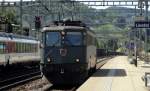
[36, 85]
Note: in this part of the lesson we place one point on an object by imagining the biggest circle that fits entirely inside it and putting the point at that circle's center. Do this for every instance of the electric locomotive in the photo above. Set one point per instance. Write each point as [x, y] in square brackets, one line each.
[68, 52]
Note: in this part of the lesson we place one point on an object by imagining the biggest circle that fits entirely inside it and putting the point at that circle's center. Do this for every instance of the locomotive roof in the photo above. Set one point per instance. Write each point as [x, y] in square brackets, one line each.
[60, 28]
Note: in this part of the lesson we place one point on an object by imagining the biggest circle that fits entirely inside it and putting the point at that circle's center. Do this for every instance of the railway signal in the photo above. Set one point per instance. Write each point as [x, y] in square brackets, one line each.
[10, 28]
[37, 22]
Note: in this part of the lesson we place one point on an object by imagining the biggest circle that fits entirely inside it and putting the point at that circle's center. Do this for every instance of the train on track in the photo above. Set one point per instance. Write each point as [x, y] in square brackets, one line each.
[68, 52]
[15, 49]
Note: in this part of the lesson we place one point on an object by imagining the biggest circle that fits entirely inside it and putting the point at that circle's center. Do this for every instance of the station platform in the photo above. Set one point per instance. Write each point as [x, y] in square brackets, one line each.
[117, 75]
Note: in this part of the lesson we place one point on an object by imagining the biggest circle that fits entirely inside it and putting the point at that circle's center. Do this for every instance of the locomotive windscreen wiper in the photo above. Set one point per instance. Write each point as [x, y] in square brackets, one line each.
[55, 44]
[68, 42]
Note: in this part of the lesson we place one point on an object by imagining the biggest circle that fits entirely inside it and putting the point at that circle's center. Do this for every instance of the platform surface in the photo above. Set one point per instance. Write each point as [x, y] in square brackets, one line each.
[117, 75]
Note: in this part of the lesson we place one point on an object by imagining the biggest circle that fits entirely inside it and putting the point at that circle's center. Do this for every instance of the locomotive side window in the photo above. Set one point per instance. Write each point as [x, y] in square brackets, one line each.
[73, 39]
[89, 37]
[53, 39]
[91, 40]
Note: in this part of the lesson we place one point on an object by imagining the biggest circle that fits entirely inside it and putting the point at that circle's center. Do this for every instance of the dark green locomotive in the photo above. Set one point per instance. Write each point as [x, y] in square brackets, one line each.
[68, 52]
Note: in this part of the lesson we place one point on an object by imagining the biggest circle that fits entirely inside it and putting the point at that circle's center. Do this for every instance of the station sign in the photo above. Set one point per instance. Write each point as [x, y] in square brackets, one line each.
[142, 24]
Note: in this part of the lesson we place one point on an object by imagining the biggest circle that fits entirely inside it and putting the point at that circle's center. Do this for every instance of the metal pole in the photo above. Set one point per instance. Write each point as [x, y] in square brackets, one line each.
[21, 13]
[135, 43]
[3, 11]
[135, 47]
[146, 18]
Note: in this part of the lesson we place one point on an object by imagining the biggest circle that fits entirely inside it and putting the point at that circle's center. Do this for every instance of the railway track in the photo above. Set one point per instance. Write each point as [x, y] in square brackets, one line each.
[102, 61]
[11, 82]
[20, 80]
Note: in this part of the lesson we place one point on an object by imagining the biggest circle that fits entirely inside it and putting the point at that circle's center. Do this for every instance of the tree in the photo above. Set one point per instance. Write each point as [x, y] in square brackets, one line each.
[9, 14]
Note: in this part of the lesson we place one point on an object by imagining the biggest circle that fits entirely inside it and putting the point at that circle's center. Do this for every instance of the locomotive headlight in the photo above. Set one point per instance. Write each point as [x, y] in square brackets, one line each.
[48, 59]
[77, 60]
[62, 33]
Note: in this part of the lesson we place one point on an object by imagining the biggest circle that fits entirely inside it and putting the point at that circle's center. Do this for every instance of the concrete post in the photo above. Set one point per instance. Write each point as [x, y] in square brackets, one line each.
[146, 18]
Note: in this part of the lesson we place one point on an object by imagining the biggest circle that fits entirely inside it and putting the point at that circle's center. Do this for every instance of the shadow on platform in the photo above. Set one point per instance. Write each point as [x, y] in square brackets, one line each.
[105, 73]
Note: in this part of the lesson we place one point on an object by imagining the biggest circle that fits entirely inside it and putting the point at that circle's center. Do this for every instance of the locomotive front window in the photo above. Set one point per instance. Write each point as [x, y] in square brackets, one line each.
[53, 39]
[73, 38]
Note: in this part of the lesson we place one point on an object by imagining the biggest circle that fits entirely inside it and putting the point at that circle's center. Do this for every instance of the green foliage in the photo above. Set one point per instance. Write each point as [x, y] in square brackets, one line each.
[97, 44]
[10, 14]
[100, 44]
[107, 28]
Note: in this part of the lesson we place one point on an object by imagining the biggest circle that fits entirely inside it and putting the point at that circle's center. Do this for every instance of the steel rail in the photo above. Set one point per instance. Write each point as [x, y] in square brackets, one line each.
[6, 84]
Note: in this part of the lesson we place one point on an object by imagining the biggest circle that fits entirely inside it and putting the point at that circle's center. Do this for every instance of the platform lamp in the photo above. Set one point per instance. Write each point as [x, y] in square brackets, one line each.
[147, 79]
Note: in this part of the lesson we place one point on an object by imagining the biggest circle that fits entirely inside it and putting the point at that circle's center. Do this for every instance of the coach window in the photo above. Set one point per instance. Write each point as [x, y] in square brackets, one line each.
[28, 47]
[20, 47]
[4, 47]
[29, 50]
[16, 47]
[1, 48]
[32, 48]
[25, 47]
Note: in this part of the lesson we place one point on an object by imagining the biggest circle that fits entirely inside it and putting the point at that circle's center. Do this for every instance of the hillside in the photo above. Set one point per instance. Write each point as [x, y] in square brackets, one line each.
[113, 21]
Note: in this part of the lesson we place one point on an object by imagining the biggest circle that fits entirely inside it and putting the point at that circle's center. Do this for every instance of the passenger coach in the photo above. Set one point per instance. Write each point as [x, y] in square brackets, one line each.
[68, 52]
[18, 49]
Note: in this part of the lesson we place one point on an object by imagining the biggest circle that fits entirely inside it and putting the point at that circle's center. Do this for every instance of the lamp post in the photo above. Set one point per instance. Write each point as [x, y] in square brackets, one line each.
[21, 14]
[146, 18]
